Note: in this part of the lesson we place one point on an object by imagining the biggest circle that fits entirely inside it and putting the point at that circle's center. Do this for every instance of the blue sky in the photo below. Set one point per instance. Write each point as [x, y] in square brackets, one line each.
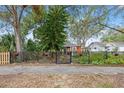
[116, 18]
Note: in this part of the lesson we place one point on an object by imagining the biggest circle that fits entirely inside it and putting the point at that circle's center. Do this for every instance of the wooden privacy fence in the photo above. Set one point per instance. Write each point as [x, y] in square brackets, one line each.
[4, 57]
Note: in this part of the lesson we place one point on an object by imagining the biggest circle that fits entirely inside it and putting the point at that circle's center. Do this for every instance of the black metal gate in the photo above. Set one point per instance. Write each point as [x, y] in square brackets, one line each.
[63, 58]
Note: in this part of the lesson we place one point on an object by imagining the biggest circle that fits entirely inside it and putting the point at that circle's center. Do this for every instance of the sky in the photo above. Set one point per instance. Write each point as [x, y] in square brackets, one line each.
[116, 18]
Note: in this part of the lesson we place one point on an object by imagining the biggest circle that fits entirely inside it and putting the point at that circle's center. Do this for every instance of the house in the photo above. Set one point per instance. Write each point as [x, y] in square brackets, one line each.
[73, 48]
[96, 46]
[115, 45]
[111, 46]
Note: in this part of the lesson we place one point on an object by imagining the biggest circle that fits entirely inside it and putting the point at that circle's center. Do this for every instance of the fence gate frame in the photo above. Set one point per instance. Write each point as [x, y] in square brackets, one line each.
[4, 58]
[58, 54]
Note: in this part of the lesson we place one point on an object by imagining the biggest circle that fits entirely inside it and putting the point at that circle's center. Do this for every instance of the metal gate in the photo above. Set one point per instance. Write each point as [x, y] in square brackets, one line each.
[63, 58]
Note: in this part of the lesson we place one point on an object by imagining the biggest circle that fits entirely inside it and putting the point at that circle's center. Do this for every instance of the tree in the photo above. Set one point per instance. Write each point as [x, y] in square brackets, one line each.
[113, 37]
[84, 23]
[52, 34]
[13, 15]
[33, 20]
[116, 12]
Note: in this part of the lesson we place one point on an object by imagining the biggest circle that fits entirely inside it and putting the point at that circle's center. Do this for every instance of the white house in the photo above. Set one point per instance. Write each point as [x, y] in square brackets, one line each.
[96, 46]
[115, 45]
[112, 46]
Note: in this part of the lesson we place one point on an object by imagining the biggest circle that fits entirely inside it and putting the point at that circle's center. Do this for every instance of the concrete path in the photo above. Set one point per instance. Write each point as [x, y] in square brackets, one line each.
[60, 69]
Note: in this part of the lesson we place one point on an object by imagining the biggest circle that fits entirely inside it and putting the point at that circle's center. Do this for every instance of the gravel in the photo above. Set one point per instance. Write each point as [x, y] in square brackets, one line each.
[59, 69]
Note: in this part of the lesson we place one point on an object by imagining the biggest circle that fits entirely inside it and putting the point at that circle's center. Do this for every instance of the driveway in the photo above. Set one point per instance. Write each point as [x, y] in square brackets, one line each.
[60, 69]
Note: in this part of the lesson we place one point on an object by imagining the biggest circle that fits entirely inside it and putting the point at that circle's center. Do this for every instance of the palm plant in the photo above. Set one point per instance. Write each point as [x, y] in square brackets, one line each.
[7, 42]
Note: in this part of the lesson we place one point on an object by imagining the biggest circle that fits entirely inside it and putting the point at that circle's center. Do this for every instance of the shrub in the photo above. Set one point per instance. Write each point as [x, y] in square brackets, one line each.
[115, 59]
[99, 58]
[80, 59]
[98, 62]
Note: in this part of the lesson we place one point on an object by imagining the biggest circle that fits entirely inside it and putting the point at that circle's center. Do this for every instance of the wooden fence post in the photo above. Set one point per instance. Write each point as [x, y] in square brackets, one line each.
[4, 57]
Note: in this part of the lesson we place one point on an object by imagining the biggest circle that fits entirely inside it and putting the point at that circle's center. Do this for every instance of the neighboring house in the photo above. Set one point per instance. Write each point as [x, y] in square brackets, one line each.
[73, 48]
[115, 45]
[96, 46]
[112, 46]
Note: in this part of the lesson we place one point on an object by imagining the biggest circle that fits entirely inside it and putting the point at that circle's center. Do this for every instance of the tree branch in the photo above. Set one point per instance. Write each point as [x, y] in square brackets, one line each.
[105, 25]
[20, 16]
[8, 9]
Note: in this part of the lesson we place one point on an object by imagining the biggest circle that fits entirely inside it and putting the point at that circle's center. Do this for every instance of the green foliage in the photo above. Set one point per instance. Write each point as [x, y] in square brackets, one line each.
[32, 19]
[112, 59]
[80, 59]
[105, 85]
[7, 43]
[32, 46]
[3, 49]
[52, 34]
[115, 59]
[77, 59]
[99, 59]
[113, 37]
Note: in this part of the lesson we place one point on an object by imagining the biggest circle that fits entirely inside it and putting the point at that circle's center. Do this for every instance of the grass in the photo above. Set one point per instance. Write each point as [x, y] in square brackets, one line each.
[105, 85]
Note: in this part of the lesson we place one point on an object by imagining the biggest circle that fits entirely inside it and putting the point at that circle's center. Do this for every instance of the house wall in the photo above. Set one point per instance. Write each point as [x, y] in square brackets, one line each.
[110, 47]
[79, 50]
[121, 49]
[96, 48]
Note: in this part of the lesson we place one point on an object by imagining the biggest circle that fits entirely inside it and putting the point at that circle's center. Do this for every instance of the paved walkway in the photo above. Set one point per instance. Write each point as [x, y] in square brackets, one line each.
[60, 69]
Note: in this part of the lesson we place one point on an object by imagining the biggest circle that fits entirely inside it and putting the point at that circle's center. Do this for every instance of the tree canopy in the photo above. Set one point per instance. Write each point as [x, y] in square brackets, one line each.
[113, 37]
[84, 22]
[52, 34]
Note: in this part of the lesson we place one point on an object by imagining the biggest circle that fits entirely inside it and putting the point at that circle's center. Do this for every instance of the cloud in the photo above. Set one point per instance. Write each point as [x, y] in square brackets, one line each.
[121, 7]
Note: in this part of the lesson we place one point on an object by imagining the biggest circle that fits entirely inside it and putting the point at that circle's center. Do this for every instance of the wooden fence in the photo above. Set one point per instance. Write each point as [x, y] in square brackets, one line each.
[4, 57]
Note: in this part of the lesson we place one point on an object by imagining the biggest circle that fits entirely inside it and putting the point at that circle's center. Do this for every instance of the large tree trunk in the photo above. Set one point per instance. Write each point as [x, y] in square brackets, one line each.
[17, 34]
[18, 43]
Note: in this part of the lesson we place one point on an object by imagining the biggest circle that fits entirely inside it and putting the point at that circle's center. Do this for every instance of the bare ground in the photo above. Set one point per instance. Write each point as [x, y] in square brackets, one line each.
[23, 80]
[45, 76]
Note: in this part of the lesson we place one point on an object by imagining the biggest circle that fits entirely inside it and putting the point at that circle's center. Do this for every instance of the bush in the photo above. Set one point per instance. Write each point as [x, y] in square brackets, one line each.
[80, 59]
[99, 58]
[77, 59]
[115, 59]
[98, 62]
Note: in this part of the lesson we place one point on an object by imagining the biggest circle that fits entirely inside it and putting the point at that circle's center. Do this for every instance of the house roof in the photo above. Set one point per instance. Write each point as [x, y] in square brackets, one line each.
[70, 45]
[101, 44]
[118, 44]
[97, 43]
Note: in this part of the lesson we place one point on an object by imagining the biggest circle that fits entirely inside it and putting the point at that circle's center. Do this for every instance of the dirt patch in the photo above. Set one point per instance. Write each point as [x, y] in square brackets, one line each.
[23, 80]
